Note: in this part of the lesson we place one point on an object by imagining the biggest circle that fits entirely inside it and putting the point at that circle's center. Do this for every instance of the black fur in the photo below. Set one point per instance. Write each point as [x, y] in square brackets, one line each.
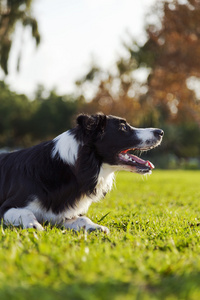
[33, 171]
[58, 185]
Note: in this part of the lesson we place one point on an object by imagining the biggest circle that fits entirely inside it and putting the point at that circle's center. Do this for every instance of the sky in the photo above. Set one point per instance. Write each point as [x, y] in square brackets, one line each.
[74, 33]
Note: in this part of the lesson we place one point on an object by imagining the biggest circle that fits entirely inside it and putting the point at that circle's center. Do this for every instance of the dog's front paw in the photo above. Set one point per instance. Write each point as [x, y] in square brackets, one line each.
[98, 228]
[84, 223]
[34, 224]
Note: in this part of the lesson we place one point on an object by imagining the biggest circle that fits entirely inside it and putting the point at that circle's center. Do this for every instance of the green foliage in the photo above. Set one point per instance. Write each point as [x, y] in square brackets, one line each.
[15, 111]
[53, 115]
[24, 122]
[180, 148]
[152, 251]
[170, 55]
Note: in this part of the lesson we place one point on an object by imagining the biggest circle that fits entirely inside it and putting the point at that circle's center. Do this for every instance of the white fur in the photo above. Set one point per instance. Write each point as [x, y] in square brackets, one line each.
[34, 211]
[105, 181]
[43, 215]
[84, 223]
[145, 134]
[148, 139]
[66, 146]
[21, 216]
[26, 218]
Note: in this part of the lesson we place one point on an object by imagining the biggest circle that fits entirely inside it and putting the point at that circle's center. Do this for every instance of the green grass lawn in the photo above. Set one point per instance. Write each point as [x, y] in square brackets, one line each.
[152, 251]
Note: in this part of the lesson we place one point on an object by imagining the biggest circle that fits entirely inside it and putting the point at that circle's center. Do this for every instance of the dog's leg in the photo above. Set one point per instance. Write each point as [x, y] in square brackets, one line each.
[23, 217]
[84, 223]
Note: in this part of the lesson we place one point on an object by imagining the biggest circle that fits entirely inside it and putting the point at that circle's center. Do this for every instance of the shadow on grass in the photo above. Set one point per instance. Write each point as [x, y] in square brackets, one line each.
[170, 287]
[76, 291]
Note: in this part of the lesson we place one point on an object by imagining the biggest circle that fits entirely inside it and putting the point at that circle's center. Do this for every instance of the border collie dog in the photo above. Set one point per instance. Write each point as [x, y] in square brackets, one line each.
[56, 181]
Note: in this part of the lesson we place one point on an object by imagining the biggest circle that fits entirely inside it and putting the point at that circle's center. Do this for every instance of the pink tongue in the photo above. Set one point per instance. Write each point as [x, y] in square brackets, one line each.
[141, 161]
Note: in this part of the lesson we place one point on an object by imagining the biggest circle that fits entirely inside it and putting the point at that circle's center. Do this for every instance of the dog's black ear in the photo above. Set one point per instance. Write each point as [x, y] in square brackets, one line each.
[94, 123]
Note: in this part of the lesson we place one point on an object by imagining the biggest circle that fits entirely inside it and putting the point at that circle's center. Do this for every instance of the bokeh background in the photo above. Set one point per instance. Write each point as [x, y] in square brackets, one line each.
[136, 59]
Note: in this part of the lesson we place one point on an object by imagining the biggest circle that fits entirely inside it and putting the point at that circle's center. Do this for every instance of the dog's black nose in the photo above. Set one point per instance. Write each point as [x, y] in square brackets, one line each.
[158, 132]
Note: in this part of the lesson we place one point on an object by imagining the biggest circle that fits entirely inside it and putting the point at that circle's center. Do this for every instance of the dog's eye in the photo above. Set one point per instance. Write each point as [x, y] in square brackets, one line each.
[123, 126]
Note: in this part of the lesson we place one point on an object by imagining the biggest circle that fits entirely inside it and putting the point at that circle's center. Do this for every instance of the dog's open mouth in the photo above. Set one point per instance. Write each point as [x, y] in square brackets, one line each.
[134, 163]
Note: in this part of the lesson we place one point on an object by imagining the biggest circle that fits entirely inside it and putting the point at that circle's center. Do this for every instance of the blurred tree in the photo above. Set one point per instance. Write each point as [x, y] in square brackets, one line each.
[52, 114]
[114, 93]
[11, 12]
[24, 122]
[170, 96]
[172, 52]
[15, 111]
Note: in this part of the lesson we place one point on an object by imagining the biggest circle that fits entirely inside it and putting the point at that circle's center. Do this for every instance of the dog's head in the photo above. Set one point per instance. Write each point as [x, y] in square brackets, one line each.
[112, 139]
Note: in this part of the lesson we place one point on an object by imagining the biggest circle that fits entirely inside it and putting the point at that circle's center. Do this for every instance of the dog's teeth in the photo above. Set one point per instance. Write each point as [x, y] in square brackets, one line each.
[132, 160]
[126, 156]
[147, 165]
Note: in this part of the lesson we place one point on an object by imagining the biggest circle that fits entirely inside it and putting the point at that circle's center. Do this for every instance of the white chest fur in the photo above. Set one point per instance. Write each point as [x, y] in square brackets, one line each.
[104, 185]
[105, 179]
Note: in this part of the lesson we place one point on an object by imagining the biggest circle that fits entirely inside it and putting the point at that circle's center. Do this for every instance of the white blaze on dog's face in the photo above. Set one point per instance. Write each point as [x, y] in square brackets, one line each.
[114, 138]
